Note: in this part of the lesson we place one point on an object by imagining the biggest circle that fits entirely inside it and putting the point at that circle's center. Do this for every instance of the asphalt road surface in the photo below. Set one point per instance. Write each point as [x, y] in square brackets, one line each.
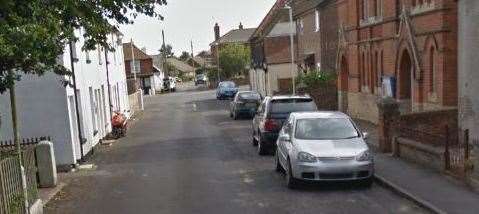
[185, 155]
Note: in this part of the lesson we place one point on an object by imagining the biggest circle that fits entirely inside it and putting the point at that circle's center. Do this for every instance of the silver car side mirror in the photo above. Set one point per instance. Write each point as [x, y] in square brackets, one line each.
[365, 135]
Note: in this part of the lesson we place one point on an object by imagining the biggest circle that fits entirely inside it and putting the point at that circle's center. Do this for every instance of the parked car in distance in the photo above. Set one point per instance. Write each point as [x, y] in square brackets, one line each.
[244, 103]
[169, 84]
[323, 146]
[200, 79]
[225, 90]
[270, 116]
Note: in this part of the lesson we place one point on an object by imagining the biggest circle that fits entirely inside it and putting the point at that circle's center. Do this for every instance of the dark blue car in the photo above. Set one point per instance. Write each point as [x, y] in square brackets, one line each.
[225, 90]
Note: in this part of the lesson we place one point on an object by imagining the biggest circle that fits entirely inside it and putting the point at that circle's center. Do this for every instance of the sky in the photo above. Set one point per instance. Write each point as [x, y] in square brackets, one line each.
[193, 20]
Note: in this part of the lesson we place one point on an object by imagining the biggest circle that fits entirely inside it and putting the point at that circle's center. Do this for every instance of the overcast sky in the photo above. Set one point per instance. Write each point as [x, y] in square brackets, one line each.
[187, 20]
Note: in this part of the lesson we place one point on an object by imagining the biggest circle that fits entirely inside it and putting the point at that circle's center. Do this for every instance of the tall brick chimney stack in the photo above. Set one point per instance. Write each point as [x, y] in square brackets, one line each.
[217, 32]
[241, 26]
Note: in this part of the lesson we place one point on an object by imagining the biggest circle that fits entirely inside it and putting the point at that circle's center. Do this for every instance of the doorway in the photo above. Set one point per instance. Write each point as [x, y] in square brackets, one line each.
[405, 86]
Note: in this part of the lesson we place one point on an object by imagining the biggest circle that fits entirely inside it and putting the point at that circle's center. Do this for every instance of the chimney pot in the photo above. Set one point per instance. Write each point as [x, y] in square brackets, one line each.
[217, 32]
[241, 26]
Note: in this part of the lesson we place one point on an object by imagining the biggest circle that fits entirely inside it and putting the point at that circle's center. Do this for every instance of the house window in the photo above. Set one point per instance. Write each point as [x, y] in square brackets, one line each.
[135, 66]
[432, 71]
[364, 9]
[87, 57]
[317, 20]
[301, 26]
[379, 8]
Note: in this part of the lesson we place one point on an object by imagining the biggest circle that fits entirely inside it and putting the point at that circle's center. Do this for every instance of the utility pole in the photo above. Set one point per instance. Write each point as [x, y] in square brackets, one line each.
[291, 38]
[218, 60]
[133, 70]
[164, 54]
[193, 60]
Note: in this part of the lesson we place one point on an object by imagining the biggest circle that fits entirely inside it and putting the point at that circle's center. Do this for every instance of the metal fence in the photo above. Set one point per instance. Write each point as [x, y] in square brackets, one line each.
[11, 190]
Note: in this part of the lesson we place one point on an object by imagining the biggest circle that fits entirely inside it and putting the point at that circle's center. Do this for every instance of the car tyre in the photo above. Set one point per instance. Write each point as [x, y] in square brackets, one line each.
[262, 150]
[254, 141]
[291, 182]
[367, 183]
[279, 168]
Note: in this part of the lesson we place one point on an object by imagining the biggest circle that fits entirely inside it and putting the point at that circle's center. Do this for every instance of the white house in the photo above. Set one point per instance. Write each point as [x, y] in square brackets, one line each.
[46, 104]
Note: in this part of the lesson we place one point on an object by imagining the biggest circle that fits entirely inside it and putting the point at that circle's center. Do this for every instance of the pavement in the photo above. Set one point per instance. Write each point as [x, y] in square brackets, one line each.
[185, 155]
[426, 187]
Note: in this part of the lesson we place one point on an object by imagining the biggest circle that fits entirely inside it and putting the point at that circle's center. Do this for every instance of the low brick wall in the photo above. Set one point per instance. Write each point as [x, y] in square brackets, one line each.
[432, 124]
[325, 97]
[423, 154]
[421, 137]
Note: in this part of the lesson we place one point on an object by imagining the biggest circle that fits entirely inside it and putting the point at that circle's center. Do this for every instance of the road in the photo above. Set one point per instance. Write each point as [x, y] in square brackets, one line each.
[185, 155]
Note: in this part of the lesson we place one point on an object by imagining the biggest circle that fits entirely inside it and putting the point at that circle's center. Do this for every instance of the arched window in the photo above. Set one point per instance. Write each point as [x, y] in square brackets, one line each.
[432, 70]
[364, 9]
[371, 73]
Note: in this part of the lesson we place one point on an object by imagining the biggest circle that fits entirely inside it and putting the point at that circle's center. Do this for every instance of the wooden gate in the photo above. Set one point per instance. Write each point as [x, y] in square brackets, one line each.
[285, 86]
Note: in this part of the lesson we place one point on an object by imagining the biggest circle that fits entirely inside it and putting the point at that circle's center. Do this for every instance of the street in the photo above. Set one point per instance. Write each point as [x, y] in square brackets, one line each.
[185, 155]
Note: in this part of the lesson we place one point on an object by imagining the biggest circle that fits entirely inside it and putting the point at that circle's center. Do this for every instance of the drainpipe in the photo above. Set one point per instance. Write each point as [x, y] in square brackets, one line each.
[108, 82]
[77, 109]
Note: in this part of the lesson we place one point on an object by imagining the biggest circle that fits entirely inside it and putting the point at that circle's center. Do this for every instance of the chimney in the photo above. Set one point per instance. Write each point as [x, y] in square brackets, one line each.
[217, 32]
[241, 26]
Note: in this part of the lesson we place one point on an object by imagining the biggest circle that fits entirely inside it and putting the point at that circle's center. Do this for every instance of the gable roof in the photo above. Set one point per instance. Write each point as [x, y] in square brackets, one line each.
[275, 15]
[236, 36]
[180, 65]
[302, 6]
[139, 54]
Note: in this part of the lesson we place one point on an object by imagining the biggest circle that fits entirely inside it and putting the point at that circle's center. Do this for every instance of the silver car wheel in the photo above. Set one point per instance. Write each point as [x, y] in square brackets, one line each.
[290, 180]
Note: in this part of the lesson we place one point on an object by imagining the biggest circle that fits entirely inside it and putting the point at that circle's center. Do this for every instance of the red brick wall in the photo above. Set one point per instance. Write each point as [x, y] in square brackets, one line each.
[436, 28]
[277, 49]
[146, 66]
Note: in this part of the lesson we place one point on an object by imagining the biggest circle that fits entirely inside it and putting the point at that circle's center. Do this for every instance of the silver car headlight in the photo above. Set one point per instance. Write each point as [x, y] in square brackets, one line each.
[364, 156]
[306, 157]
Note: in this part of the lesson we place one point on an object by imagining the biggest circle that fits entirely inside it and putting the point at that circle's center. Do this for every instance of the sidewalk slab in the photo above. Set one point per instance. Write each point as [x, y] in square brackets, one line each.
[423, 185]
[427, 185]
[46, 194]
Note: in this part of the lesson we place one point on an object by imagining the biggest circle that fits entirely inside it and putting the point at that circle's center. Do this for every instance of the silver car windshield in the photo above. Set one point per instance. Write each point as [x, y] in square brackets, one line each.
[227, 85]
[249, 96]
[325, 129]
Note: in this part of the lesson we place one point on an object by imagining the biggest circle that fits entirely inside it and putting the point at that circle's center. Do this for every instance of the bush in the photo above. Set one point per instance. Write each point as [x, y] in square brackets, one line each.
[316, 78]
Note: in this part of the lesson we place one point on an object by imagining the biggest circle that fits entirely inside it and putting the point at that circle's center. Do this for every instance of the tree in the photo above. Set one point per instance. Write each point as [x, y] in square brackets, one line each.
[184, 56]
[34, 33]
[167, 51]
[234, 59]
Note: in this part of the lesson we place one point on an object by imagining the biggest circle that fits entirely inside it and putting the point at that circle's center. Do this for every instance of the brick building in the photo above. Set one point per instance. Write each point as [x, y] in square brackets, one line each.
[406, 49]
[149, 77]
[235, 36]
[272, 70]
[307, 18]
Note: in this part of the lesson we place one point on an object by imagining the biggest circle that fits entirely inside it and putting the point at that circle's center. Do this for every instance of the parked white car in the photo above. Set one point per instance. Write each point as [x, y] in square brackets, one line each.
[323, 146]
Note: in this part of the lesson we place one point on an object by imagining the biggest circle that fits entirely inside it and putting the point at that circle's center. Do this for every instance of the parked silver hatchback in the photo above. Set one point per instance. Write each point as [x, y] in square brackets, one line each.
[323, 146]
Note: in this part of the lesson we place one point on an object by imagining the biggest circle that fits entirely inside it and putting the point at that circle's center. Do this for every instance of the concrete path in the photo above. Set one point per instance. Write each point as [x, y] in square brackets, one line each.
[436, 190]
